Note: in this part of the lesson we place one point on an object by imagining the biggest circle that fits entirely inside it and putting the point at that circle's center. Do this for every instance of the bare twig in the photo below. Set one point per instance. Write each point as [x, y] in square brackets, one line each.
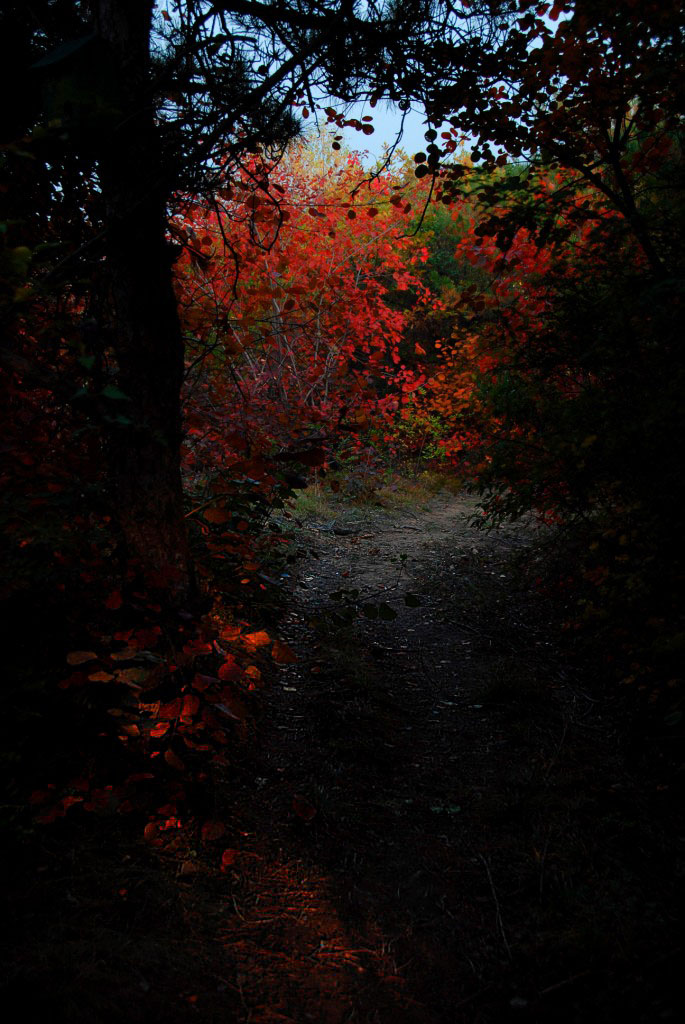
[498, 911]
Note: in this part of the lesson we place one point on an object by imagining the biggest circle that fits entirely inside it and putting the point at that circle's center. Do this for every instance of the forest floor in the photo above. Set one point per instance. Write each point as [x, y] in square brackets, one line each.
[439, 822]
[437, 817]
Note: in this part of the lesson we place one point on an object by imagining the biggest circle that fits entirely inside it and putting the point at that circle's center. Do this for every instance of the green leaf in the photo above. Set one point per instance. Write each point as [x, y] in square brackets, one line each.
[412, 601]
[386, 613]
[111, 391]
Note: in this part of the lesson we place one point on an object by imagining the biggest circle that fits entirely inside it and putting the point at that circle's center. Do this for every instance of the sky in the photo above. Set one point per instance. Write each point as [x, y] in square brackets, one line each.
[386, 122]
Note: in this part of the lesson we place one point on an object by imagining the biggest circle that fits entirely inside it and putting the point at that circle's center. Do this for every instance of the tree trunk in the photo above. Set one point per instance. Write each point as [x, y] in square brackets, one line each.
[144, 455]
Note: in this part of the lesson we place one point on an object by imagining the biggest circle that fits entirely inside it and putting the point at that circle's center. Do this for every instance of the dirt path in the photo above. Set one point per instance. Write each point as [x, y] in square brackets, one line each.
[431, 823]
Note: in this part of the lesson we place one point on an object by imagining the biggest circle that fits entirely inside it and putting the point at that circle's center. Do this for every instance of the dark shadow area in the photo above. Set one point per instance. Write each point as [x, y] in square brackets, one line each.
[463, 787]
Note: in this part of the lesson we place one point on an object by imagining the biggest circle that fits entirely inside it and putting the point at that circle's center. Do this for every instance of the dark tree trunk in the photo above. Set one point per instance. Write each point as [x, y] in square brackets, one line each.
[144, 455]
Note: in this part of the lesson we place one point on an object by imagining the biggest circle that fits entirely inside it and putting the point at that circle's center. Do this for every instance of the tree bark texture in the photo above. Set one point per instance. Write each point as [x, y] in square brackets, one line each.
[145, 454]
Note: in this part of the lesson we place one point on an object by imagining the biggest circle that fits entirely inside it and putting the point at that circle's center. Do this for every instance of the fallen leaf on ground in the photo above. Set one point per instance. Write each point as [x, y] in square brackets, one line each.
[282, 654]
[303, 809]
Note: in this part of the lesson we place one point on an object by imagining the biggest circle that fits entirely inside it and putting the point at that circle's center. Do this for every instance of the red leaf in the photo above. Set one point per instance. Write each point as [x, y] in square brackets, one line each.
[191, 705]
[229, 671]
[202, 683]
[228, 857]
[303, 809]
[101, 677]
[217, 515]
[172, 709]
[114, 601]
[212, 830]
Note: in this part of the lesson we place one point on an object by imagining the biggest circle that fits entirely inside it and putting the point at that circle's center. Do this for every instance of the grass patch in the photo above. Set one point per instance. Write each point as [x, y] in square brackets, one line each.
[327, 497]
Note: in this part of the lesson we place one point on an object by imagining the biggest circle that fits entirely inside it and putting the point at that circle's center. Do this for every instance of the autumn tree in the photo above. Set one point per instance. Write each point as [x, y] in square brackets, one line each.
[129, 111]
[574, 311]
[143, 108]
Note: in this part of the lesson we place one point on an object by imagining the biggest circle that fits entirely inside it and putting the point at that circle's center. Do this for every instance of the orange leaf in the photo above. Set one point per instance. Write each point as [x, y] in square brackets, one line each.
[101, 677]
[75, 679]
[124, 655]
[282, 654]
[132, 676]
[258, 639]
[79, 657]
[174, 761]
[229, 633]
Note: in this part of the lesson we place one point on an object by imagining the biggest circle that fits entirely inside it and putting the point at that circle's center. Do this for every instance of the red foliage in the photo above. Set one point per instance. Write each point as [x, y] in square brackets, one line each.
[293, 331]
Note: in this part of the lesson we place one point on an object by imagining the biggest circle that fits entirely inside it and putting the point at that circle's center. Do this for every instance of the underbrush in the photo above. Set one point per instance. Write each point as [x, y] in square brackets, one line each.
[391, 490]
